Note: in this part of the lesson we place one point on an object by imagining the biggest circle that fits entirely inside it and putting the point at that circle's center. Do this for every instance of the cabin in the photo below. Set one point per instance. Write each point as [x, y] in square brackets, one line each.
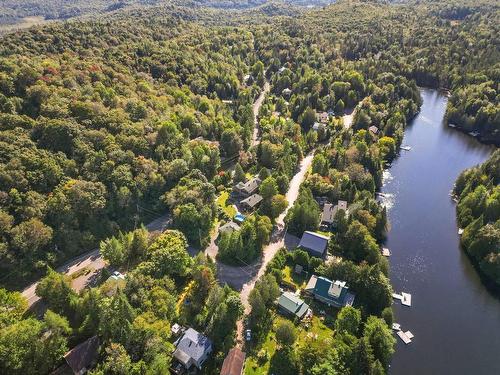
[329, 212]
[229, 227]
[234, 363]
[314, 243]
[331, 293]
[192, 349]
[81, 358]
[291, 305]
[286, 92]
[251, 202]
[373, 129]
[248, 188]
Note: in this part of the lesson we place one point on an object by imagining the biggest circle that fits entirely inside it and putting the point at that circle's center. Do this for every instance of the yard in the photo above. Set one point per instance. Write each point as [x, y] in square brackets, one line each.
[289, 276]
[222, 202]
[259, 360]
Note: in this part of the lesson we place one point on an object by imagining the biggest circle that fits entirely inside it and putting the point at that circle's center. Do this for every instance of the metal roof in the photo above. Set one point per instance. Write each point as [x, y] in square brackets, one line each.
[314, 242]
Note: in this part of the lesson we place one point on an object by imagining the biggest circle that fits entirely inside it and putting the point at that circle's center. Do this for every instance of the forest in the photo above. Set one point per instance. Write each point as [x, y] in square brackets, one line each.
[107, 123]
[478, 213]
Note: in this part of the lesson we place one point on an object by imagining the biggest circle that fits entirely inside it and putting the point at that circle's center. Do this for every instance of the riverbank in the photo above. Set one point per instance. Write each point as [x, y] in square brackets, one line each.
[453, 317]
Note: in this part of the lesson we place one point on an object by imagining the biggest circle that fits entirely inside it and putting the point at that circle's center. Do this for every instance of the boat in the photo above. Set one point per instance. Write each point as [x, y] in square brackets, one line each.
[405, 148]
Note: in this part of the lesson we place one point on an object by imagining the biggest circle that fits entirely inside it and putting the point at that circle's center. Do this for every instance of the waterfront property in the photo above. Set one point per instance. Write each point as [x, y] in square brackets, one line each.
[314, 243]
[248, 188]
[291, 305]
[191, 350]
[332, 293]
[233, 363]
[329, 212]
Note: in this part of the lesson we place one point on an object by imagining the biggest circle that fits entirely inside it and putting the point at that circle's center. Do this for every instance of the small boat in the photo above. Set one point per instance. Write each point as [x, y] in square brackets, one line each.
[396, 326]
[405, 148]
[460, 231]
[474, 134]
[386, 252]
[452, 125]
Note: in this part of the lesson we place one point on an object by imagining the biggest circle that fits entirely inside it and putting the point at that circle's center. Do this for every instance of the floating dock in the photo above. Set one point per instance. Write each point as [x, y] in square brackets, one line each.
[397, 296]
[386, 252]
[404, 337]
[409, 335]
[406, 299]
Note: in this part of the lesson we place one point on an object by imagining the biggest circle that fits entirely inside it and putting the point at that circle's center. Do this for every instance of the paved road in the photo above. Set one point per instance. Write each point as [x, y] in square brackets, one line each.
[91, 260]
[256, 107]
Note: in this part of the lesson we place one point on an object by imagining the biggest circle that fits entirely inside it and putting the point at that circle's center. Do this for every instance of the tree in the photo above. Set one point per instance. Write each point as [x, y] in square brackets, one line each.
[168, 254]
[285, 334]
[193, 222]
[278, 205]
[55, 289]
[379, 337]
[239, 174]
[31, 236]
[12, 307]
[307, 119]
[358, 244]
[348, 320]
[113, 251]
[116, 317]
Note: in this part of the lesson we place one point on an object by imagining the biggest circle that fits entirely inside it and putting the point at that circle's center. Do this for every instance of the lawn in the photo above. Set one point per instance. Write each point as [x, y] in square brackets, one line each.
[300, 281]
[222, 202]
[315, 330]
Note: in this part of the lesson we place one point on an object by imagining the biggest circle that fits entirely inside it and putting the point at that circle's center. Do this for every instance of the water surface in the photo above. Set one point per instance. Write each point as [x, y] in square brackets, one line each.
[455, 320]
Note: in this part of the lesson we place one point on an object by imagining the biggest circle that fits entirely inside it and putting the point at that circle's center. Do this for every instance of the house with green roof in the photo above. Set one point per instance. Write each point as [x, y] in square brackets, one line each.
[332, 293]
[291, 305]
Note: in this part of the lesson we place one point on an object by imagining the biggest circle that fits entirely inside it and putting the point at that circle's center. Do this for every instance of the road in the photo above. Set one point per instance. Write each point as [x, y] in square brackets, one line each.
[349, 117]
[244, 278]
[91, 260]
[256, 107]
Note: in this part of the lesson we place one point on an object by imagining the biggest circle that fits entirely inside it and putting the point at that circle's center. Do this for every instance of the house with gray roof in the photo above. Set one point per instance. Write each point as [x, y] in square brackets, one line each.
[251, 202]
[229, 227]
[314, 243]
[329, 212]
[191, 349]
[291, 305]
[332, 293]
[248, 188]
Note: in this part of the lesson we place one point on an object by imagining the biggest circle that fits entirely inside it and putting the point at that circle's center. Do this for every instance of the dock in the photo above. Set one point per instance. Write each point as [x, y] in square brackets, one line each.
[397, 296]
[402, 335]
[409, 335]
[386, 252]
[406, 300]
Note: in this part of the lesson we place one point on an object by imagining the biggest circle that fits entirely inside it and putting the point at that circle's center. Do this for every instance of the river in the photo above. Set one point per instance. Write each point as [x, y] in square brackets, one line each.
[455, 320]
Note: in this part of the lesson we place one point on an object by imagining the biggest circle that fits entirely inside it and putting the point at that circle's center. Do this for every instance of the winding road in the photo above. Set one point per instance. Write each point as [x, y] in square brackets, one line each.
[256, 107]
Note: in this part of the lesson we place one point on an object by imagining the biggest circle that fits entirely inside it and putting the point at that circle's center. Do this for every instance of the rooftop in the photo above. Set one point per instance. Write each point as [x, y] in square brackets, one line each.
[328, 291]
[82, 356]
[252, 200]
[314, 242]
[233, 363]
[191, 344]
[292, 304]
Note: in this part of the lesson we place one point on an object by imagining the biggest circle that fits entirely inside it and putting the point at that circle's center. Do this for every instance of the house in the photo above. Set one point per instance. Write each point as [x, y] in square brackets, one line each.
[287, 92]
[248, 188]
[329, 212]
[331, 293]
[314, 243]
[251, 202]
[192, 349]
[291, 305]
[83, 356]
[113, 283]
[229, 227]
[281, 70]
[317, 126]
[322, 117]
[233, 363]
[373, 129]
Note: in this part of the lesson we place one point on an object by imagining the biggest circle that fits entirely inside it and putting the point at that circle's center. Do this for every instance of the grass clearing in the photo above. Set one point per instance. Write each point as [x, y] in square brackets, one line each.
[222, 202]
[318, 330]
[300, 281]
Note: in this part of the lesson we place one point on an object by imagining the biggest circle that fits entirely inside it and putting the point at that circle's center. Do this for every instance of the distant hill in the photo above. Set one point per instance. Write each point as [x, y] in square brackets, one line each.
[14, 12]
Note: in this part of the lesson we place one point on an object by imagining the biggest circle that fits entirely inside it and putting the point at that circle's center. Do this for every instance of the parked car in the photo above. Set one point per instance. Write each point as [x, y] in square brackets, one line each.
[248, 334]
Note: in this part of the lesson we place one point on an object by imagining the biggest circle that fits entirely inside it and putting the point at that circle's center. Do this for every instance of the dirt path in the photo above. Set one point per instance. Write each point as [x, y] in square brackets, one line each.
[349, 117]
[91, 260]
[252, 273]
[256, 108]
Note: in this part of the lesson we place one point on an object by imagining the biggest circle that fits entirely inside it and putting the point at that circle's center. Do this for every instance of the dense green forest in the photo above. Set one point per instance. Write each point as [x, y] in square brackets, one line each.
[110, 122]
[478, 212]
